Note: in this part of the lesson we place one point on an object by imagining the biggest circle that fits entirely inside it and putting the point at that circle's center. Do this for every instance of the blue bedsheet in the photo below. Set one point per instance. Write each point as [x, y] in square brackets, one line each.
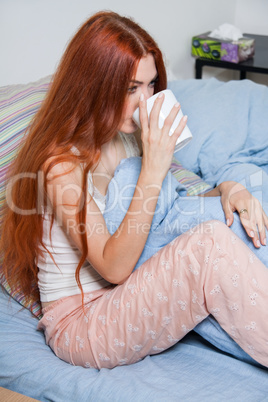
[192, 370]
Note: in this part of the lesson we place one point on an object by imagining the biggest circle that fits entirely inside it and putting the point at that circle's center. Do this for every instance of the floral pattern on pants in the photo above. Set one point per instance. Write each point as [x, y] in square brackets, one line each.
[207, 270]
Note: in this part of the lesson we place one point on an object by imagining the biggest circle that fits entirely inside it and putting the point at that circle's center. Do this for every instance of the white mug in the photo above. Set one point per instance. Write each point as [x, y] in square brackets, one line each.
[168, 103]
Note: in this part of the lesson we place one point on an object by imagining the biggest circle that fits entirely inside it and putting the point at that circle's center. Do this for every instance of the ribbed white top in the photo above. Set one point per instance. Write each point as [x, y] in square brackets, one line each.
[56, 276]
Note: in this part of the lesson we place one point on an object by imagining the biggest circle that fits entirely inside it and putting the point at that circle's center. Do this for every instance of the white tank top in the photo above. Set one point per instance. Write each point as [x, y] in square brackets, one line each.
[56, 275]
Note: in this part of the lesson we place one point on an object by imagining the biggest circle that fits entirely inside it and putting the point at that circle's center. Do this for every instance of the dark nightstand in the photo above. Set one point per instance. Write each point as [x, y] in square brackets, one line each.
[259, 63]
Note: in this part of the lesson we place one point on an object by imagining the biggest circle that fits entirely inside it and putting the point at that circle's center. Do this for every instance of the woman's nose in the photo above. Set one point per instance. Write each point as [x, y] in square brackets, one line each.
[147, 94]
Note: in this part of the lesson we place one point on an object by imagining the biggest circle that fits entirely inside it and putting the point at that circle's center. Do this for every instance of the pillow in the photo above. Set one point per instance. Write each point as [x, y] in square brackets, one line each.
[193, 183]
[18, 104]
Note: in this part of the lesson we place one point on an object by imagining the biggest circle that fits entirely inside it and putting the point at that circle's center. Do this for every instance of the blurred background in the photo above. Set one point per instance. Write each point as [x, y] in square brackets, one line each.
[34, 33]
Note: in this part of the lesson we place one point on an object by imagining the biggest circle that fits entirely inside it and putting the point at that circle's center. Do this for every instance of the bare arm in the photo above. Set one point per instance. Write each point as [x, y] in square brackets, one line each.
[114, 257]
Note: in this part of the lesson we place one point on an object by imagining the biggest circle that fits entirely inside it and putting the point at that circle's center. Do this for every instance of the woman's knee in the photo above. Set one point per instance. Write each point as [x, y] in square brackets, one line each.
[215, 226]
[214, 229]
[220, 232]
[211, 227]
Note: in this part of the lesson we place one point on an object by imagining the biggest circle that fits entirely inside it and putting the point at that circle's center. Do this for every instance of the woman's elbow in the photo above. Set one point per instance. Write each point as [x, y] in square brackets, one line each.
[116, 278]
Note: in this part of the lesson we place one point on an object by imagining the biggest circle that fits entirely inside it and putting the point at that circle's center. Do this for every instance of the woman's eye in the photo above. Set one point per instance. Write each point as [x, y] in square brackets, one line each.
[131, 90]
[152, 83]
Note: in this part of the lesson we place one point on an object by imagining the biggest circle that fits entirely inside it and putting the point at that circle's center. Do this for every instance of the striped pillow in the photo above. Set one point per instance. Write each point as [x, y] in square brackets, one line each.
[193, 183]
[18, 104]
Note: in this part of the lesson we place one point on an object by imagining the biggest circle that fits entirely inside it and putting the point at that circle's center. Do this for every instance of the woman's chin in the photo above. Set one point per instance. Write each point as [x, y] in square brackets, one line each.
[129, 127]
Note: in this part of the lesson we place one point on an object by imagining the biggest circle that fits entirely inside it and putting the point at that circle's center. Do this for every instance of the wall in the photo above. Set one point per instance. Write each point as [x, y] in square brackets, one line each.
[251, 16]
[34, 33]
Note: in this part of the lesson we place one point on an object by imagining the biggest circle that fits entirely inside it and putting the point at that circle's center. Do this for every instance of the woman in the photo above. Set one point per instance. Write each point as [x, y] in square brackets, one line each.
[96, 312]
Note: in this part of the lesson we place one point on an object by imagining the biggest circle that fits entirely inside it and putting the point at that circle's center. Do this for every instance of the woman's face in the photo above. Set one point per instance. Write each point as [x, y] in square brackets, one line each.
[143, 82]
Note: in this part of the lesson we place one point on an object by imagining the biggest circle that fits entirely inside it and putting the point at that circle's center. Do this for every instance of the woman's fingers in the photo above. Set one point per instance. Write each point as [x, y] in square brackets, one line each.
[168, 122]
[179, 129]
[250, 225]
[253, 220]
[157, 145]
[262, 226]
[229, 215]
[155, 112]
[235, 197]
[143, 113]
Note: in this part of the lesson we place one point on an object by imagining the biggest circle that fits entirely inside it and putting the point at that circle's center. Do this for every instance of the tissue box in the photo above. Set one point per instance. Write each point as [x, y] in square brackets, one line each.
[225, 50]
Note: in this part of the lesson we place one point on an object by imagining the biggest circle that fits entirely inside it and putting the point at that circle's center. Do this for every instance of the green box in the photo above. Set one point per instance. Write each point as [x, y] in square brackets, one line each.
[225, 50]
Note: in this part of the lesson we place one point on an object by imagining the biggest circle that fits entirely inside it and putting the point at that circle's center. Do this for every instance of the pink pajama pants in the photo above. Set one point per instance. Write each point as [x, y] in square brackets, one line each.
[205, 271]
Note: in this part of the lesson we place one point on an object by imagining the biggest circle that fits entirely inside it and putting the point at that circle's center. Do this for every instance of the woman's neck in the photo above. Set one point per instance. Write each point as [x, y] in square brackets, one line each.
[111, 154]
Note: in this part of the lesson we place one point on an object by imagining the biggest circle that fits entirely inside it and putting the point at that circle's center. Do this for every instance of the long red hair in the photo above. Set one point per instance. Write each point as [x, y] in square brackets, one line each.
[83, 108]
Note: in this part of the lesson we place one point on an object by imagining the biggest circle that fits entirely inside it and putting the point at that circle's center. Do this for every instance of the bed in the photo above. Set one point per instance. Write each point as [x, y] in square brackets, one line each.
[229, 122]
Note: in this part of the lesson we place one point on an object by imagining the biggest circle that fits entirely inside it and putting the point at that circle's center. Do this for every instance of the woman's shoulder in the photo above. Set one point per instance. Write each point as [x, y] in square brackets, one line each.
[56, 167]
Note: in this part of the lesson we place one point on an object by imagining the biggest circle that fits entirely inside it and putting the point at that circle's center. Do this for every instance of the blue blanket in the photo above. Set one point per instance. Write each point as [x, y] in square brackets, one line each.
[229, 122]
[175, 211]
